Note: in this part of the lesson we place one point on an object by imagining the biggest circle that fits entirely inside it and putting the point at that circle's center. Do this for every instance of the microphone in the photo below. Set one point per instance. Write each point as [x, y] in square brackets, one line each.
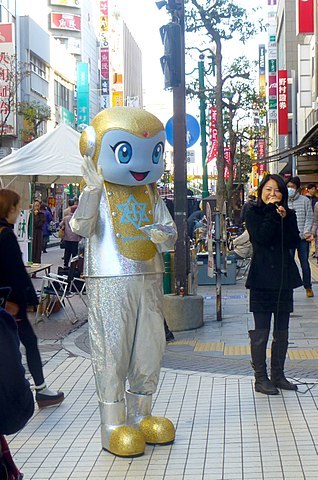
[276, 204]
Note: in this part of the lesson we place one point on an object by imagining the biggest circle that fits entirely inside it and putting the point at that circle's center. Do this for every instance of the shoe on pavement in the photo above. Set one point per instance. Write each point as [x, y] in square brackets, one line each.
[169, 337]
[48, 398]
[309, 292]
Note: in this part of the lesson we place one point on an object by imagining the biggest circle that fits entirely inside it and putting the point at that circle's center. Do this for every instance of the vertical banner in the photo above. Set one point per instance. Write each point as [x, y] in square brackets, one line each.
[306, 18]
[104, 53]
[213, 151]
[282, 102]
[21, 231]
[261, 149]
[272, 63]
[7, 90]
[261, 68]
[82, 94]
[227, 158]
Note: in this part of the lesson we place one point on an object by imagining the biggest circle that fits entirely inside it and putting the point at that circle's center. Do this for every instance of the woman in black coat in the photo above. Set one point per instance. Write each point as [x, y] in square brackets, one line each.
[13, 274]
[273, 275]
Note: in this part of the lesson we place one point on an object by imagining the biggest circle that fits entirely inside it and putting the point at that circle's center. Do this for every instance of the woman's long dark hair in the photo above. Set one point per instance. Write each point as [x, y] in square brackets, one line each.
[281, 187]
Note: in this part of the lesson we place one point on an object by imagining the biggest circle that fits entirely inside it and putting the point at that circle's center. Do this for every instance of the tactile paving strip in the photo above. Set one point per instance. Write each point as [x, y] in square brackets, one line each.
[303, 354]
[209, 347]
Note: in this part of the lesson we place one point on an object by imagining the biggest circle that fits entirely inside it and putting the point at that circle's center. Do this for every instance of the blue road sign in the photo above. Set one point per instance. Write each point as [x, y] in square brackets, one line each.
[192, 127]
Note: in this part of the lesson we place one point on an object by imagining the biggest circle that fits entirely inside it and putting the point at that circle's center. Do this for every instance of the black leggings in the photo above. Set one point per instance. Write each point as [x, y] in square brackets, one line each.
[30, 343]
[262, 320]
[71, 250]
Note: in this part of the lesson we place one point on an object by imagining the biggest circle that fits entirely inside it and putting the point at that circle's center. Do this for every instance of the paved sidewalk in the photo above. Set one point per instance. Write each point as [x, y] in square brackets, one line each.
[225, 431]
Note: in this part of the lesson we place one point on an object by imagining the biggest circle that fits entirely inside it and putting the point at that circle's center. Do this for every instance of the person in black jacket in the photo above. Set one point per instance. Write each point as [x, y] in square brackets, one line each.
[273, 275]
[14, 275]
[16, 399]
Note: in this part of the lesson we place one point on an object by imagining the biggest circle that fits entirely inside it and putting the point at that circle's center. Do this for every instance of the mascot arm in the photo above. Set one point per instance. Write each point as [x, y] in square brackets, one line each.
[84, 219]
[163, 232]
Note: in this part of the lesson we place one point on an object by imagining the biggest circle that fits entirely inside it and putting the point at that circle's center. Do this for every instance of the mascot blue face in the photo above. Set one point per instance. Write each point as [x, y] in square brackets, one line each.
[128, 159]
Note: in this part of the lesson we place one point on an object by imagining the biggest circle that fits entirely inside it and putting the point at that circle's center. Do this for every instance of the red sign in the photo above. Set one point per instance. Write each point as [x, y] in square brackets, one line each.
[5, 32]
[66, 21]
[213, 152]
[104, 62]
[306, 16]
[282, 102]
[261, 168]
[103, 7]
[227, 158]
[261, 149]
[272, 85]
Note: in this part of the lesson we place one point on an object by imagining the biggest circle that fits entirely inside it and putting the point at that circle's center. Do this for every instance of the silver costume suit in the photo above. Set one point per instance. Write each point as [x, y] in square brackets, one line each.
[123, 271]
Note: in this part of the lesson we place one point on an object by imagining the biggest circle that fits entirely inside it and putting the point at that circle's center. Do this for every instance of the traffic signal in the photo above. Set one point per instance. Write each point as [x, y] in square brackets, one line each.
[171, 61]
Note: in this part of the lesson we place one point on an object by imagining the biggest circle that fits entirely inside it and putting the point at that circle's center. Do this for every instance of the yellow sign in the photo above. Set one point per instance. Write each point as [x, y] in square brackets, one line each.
[118, 99]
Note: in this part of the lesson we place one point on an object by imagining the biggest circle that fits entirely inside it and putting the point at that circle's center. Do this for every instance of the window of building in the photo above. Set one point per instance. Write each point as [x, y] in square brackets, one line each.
[62, 94]
[38, 66]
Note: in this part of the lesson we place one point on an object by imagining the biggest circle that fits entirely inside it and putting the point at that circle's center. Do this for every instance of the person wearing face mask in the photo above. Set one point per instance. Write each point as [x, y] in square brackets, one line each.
[272, 276]
[304, 214]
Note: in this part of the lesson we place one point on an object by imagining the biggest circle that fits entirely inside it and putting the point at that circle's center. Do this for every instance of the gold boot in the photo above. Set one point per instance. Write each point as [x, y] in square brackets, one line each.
[117, 437]
[156, 430]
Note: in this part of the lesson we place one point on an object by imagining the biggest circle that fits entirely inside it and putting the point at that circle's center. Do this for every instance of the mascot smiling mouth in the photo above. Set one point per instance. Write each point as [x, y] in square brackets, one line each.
[139, 176]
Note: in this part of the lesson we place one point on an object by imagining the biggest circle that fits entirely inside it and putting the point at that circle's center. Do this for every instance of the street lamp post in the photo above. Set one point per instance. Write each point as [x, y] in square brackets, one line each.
[205, 191]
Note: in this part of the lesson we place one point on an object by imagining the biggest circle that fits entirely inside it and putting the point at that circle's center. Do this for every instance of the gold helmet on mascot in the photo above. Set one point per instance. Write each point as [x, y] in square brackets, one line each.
[127, 143]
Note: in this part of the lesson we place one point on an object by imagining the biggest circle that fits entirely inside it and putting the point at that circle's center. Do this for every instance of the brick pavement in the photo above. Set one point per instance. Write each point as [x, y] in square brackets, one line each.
[225, 431]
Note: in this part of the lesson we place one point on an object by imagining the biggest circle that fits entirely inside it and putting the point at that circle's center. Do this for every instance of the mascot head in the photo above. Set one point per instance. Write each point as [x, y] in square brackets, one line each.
[128, 145]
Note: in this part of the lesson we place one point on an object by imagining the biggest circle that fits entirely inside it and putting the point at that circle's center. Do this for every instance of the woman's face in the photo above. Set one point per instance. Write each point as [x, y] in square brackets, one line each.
[271, 193]
[36, 206]
[14, 214]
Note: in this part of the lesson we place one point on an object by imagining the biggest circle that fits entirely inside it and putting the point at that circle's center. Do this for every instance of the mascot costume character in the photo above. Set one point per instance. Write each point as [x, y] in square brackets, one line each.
[127, 226]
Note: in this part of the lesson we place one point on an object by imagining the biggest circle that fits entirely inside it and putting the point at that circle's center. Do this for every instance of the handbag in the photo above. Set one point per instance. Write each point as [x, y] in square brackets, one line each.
[61, 232]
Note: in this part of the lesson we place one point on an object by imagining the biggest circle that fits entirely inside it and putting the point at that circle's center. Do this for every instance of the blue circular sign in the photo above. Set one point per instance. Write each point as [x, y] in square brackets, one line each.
[192, 130]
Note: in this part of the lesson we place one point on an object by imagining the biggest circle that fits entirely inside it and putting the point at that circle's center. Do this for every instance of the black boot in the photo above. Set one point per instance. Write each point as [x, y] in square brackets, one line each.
[279, 351]
[259, 340]
[169, 334]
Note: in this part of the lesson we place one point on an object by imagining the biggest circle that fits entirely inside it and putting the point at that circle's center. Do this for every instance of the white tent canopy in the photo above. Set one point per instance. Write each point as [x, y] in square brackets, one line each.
[51, 158]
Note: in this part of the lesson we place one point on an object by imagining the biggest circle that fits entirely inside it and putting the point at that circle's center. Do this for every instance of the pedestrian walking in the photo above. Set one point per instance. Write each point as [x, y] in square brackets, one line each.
[46, 226]
[304, 214]
[14, 275]
[71, 239]
[37, 238]
[273, 275]
[312, 191]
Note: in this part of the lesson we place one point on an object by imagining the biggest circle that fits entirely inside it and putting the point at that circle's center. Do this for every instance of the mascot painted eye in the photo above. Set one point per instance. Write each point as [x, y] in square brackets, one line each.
[123, 152]
[157, 152]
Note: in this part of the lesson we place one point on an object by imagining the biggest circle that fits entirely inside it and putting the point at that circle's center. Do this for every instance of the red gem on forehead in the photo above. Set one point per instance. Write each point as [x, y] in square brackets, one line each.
[146, 134]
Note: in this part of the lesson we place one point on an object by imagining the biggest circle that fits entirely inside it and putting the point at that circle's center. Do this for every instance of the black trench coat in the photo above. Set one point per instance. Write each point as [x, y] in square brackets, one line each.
[273, 272]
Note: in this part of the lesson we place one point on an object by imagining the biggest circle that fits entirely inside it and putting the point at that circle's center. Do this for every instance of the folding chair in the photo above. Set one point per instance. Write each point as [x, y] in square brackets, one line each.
[60, 289]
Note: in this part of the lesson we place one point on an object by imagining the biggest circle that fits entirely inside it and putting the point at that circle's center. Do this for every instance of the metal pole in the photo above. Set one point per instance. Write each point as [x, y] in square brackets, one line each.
[180, 170]
[294, 122]
[205, 191]
[218, 265]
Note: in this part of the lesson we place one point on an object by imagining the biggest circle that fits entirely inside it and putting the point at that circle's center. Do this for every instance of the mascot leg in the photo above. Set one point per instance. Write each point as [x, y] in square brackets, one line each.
[118, 438]
[111, 330]
[156, 430]
[145, 363]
